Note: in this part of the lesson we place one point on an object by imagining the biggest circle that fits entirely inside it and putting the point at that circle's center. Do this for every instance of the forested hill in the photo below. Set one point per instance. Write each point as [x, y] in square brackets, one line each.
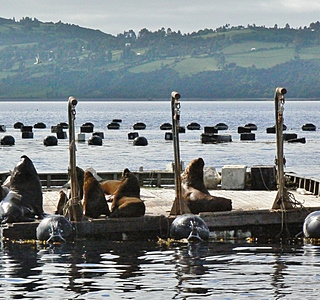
[56, 60]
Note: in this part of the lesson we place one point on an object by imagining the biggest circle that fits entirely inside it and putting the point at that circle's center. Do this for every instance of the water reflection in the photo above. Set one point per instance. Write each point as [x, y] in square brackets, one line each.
[145, 270]
[18, 263]
[189, 262]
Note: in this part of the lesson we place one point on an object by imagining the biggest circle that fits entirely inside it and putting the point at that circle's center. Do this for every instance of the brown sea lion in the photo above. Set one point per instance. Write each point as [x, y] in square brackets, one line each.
[110, 186]
[196, 194]
[63, 200]
[126, 199]
[94, 201]
[80, 181]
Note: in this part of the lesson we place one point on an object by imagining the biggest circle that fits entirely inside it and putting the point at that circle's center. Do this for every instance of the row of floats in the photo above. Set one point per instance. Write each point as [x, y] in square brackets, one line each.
[210, 134]
[115, 124]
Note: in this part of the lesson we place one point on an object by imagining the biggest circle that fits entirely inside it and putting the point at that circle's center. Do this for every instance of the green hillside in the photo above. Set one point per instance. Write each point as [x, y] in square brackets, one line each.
[54, 60]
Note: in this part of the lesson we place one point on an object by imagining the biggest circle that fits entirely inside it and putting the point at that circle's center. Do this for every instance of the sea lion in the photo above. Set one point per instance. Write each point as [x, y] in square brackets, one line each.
[94, 201]
[110, 186]
[3, 191]
[61, 207]
[79, 178]
[12, 210]
[25, 182]
[54, 228]
[126, 199]
[196, 194]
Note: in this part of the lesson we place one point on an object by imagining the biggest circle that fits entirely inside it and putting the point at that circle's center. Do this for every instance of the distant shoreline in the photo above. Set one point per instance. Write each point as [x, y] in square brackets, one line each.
[151, 100]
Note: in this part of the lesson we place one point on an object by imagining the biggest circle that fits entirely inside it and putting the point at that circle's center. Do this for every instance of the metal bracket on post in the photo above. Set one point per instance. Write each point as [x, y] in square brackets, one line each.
[179, 206]
[74, 205]
[282, 198]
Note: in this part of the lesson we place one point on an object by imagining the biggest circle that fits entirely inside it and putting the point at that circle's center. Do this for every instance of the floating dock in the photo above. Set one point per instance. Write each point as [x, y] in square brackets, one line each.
[251, 215]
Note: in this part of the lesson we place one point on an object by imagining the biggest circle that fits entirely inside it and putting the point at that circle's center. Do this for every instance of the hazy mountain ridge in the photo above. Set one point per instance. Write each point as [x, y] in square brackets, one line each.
[55, 60]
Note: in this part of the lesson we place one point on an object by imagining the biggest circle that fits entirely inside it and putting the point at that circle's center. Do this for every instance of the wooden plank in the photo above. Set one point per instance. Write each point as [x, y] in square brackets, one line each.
[254, 217]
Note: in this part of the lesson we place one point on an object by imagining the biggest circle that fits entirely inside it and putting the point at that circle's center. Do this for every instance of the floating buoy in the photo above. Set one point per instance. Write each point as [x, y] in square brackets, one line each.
[168, 136]
[289, 136]
[17, 125]
[208, 138]
[99, 133]
[113, 125]
[243, 129]
[193, 126]
[221, 126]
[26, 129]
[273, 129]
[63, 125]
[132, 135]
[61, 135]
[50, 140]
[54, 228]
[309, 127]
[252, 126]
[190, 227]
[39, 125]
[311, 225]
[139, 126]
[87, 127]
[140, 141]
[297, 140]
[210, 129]
[27, 135]
[7, 140]
[166, 126]
[95, 140]
[247, 136]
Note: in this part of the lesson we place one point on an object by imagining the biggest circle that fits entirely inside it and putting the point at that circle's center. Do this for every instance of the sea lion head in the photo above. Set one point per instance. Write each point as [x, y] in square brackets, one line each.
[193, 175]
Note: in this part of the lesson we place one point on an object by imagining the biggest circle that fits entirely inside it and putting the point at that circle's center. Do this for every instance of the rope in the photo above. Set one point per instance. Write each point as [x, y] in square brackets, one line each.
[72, 203]
[296, 204]
[262, 178]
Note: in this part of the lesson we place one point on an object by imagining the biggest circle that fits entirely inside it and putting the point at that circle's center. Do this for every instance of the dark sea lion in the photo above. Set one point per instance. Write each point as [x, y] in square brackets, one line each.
[25, 182]
[54, 228]
[94, 200]
[126, 199]
[196, 194]
[3, 191]
[12, 210]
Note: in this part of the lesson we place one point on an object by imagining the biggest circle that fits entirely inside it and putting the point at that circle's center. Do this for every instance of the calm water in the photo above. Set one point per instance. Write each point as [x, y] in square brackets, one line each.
[118, 152]
[146, 270]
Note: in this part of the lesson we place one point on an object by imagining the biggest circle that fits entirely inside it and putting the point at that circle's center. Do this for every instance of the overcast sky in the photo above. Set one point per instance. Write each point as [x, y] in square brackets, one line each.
[117, 16]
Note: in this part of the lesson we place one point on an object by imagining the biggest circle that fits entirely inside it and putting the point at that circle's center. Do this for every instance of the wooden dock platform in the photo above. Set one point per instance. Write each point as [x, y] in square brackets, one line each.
[251, 213]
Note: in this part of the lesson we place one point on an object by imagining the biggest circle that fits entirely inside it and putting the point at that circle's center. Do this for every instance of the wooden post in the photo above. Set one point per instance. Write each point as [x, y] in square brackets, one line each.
[282, 198]
[179, 206]
[74, 210]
